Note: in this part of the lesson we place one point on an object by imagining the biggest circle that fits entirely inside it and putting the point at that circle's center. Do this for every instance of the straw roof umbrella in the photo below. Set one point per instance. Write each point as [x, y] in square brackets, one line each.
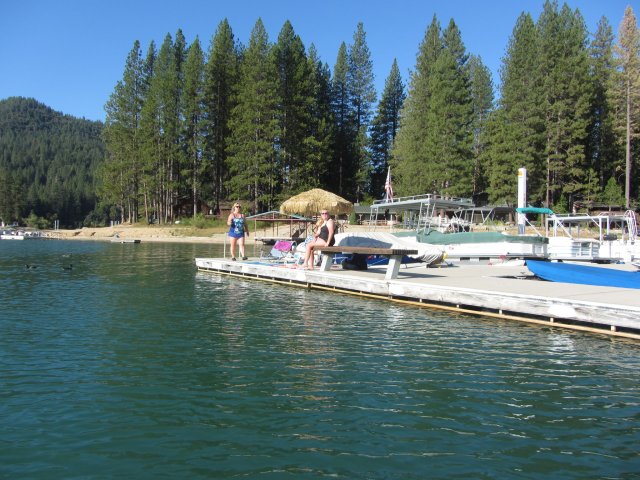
[310, 203]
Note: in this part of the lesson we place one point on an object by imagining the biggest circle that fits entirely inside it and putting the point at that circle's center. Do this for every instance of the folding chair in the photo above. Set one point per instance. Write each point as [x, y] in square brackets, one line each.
[283, 250]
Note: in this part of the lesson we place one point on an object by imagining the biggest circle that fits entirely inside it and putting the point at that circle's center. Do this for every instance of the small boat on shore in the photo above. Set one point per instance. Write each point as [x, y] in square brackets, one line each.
[11, 235]
[605, 276]
[125, 240]
[19, 234]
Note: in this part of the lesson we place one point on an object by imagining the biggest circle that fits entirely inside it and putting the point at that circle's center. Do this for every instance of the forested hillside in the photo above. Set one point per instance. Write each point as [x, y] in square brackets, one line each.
[47, 163]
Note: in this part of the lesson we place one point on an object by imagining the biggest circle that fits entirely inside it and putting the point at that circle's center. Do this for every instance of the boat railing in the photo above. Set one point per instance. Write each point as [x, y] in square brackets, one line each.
[575, 225]
[632, 224]
[423, 197]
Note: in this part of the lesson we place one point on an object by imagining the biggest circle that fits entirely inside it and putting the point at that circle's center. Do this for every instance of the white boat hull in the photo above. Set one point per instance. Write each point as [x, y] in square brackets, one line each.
[9, 236]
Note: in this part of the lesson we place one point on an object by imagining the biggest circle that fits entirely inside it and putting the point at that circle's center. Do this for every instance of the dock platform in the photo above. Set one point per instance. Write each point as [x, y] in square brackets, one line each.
[501, 291]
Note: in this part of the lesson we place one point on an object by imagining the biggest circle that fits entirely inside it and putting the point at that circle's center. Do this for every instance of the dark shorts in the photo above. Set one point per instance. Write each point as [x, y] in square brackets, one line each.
[236, 235]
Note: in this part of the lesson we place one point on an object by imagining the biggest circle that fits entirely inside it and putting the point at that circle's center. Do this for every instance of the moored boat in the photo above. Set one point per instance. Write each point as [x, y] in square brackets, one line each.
[606, 276]
[11, 235]
[429, 254]
[484, 246]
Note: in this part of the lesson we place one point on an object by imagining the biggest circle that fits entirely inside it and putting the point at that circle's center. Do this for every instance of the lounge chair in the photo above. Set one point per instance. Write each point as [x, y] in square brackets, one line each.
[283, 250]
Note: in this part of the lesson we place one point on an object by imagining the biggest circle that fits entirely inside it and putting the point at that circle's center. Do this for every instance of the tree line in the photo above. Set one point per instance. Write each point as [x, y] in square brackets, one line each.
[568, 111]
[259, 122]
[265, 121]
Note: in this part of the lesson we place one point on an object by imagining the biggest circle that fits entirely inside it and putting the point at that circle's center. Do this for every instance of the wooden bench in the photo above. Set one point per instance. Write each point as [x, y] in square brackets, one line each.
[393, 254]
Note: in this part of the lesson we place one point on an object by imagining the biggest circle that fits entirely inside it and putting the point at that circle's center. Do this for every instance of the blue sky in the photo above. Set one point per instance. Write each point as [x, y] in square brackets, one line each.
[69, 54]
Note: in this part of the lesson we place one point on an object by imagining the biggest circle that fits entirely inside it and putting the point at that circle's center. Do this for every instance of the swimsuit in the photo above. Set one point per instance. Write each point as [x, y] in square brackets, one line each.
[324, 235]
[237, 228]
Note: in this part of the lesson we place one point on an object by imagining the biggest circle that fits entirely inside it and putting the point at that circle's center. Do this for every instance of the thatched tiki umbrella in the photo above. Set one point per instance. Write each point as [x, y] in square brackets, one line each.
[311, 202]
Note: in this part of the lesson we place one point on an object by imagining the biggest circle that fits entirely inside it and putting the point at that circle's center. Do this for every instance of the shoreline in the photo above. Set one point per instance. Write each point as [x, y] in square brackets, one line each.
[170, 234]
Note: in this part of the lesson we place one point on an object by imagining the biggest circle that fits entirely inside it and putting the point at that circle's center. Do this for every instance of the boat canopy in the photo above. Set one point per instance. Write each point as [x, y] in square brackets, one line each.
[544, 211]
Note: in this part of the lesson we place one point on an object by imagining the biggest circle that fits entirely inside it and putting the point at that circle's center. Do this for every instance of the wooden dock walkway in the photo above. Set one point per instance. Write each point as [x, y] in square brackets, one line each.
[501, 291]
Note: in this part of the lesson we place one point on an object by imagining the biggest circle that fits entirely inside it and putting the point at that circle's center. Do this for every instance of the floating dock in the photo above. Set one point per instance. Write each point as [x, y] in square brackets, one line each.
[501, 291]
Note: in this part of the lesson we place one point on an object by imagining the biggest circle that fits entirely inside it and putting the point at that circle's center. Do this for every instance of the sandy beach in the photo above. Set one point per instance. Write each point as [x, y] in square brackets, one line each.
[153, 233]
[166, 233]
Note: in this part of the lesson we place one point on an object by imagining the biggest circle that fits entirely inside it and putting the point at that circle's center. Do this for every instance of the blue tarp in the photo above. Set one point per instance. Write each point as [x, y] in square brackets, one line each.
[545, 211]
[583, 274]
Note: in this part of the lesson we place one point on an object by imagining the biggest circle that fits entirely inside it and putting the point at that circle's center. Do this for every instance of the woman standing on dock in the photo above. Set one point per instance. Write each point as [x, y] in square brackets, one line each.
[324, 236]
[237, 229]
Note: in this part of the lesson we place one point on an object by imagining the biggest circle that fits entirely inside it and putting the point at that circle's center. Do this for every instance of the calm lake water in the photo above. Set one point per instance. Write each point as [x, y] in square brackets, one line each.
[134, 365]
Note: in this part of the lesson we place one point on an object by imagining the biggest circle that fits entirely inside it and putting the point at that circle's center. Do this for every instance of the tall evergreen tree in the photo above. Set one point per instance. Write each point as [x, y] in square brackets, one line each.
[602, 149]
[164, 92]
[192, 113]
[566, 87]
[319, 143]
[449, 138]
[360, 78]
[177, 164]
[482, 104]
[149, 132]
[362, 95]
[295, 99]
[627, 90]
[514, 134]
[343, 144]
[435, 154]
[121, 173]
[221, 78]
[384, 128]
[412, 171]
[254, 126]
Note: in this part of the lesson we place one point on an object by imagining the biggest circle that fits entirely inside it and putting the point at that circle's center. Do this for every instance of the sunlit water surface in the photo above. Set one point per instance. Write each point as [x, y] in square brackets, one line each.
[134, 365]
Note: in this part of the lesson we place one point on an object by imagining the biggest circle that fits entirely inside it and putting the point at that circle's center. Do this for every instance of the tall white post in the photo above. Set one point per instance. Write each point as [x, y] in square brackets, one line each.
[522, 199]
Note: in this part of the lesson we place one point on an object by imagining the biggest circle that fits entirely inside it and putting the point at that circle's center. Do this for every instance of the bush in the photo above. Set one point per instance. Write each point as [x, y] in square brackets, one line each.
[201, 222]
[95, 219]
[34, 221]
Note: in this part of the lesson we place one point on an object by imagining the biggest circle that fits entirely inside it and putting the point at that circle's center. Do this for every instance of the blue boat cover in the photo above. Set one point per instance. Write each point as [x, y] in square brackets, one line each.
[583, 274]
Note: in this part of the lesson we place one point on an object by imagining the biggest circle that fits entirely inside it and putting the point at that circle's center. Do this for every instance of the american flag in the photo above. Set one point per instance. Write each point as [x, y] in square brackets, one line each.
[387, 187]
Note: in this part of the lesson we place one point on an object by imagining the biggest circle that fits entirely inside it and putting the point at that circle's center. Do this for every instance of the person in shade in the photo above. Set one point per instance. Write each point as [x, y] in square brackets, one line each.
[238, 228]
[324, 236]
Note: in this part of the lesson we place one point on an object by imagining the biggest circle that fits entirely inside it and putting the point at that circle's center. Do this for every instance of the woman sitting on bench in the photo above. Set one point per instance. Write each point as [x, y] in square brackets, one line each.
[323, 237]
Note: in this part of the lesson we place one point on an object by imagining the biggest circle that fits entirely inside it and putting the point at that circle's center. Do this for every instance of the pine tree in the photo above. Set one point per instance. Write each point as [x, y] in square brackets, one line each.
[362, 95]
[161, 128]
[319, 142]
[295, 99]
[482, 104]
[449, 138]
[177, 163]
[384, 128]
[360, 78]
[192, 113]
[627, 91]
[602, 151]
[343, 147]
[514, 135]
[412, 172]
[254, 126]
[435, 153]
[121, 173]
[221, 78]
[149, 132]
[567, 94]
